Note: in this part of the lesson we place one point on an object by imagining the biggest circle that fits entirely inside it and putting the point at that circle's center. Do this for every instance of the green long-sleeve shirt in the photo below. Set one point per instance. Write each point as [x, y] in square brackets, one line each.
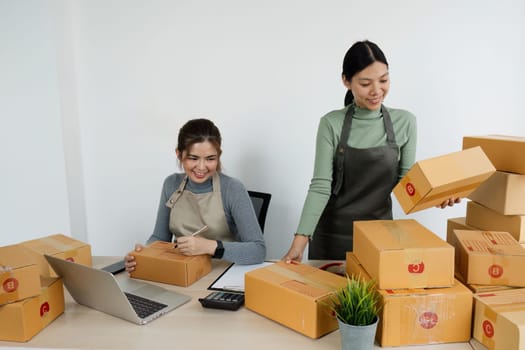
[367, 131]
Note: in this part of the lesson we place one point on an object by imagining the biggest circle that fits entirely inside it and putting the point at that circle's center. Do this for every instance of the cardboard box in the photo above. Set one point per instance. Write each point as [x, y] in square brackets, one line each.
[490, 258]
[499, 319]
[502, 192]
[403, 254]
[505, 152]
[19, 277]
[160, 262]
[457, 224]
[295, 295]
[487, 219]
[429, 182]
[60, 246]
[22, 320]
[421, 316]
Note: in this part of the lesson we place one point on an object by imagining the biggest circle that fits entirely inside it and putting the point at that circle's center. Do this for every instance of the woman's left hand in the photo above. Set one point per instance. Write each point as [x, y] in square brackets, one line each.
[189, 245]
[449, 202]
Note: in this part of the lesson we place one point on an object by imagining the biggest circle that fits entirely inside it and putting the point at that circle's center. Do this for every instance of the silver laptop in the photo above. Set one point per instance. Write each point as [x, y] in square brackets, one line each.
[131, 300]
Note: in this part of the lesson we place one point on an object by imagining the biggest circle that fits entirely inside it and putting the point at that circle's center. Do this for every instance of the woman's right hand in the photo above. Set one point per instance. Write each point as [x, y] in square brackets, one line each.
[295, 253]
[129, 260]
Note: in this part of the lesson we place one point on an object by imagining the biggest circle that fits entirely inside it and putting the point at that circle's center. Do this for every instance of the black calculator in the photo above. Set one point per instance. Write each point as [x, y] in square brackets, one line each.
[223, 300]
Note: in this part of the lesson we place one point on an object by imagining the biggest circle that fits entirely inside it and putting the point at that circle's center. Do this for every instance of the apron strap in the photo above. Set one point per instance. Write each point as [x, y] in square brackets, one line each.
[176, 195]
[340, 152]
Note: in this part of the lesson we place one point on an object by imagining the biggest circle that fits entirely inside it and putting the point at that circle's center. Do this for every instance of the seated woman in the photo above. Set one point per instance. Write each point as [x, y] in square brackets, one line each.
[204, 196]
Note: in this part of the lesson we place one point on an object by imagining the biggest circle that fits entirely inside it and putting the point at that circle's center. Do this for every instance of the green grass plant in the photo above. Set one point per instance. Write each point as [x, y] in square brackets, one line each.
[358, 302]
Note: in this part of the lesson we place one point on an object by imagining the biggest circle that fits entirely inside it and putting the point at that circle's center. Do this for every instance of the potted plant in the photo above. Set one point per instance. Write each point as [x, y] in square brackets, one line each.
[356, 306]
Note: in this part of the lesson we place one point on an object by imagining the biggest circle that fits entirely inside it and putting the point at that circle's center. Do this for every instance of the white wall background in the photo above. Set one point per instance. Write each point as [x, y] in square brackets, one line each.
[92, 94]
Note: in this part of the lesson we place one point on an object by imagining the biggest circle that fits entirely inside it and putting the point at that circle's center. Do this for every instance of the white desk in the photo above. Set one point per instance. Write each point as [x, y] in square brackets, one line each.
[189, 327]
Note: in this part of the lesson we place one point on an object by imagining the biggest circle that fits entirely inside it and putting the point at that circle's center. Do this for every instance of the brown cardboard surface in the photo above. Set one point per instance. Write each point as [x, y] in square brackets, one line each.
[499, 319]
[294, 295]
[457, 224]
[421, 316]
[19, 277]
[505, 152]
[503, 192]
[403, 254]
[160, 262]
[60, 246]
[431, 181]
[22, 320]
[489, 258]
[487, 219]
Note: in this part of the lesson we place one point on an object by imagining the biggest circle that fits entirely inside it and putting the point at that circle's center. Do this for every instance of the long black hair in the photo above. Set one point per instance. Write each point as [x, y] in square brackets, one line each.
[359, 56]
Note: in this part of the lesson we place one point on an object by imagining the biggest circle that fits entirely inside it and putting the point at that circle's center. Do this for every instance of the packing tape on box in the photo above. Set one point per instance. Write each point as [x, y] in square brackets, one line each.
[54, 243]
[414, 257]
[296, 276]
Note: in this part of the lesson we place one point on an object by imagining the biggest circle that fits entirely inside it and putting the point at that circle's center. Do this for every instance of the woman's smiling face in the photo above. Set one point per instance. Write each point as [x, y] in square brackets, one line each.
[200, 162]
[369, 86]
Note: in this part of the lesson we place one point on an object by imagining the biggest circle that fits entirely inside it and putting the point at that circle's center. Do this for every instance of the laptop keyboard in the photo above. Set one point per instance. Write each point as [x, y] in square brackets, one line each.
[144, 307]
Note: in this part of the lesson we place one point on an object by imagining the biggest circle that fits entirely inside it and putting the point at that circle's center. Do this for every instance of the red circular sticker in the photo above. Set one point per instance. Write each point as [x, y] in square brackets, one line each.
[10, 284]
[488, 328]
[44, 309]
[428, 320]
[411, 190]
[495, 271]
[70, 259]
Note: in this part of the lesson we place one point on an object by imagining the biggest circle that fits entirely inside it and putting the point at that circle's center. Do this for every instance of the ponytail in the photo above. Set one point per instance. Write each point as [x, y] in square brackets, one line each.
[349, 97]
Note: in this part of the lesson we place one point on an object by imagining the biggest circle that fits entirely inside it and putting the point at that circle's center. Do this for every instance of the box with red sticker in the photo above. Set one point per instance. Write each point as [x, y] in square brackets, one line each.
[431, 181]
[22, 320]
[499, 319]
[403, 254]
[421, 315]
[60, 246]
[19, 277]
[489, 258]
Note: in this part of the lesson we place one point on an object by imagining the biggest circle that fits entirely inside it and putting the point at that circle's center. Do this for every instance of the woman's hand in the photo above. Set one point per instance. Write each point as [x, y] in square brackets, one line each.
[129, 260]
[297, 249]
[449, 202]
[189, 245]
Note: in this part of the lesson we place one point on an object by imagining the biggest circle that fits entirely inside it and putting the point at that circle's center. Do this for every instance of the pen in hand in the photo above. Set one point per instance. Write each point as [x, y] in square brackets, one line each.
[201, 230]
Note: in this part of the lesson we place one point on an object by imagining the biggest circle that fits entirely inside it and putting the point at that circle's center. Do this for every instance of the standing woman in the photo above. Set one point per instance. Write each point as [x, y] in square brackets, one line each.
[204, 196]
[362, 151]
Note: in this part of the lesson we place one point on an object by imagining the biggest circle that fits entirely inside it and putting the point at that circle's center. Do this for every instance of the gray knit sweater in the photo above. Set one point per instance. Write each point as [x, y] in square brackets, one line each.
[248, 246]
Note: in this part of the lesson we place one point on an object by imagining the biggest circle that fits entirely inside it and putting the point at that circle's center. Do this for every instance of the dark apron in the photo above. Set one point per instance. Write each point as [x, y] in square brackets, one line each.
[363, 179]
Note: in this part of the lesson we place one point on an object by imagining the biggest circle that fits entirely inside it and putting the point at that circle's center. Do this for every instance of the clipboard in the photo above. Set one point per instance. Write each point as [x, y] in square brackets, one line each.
[232, 279]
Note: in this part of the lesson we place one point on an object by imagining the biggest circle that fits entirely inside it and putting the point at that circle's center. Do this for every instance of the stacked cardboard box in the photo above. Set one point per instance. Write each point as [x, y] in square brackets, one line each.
[498, 205]
[420, 315]
[30, 298]
[489, 258]
[499, 321]
[295, 295]
[23, 319]
[403, 254]
[489, 243]
[60, 246]
[414, 269]
[461, 224]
